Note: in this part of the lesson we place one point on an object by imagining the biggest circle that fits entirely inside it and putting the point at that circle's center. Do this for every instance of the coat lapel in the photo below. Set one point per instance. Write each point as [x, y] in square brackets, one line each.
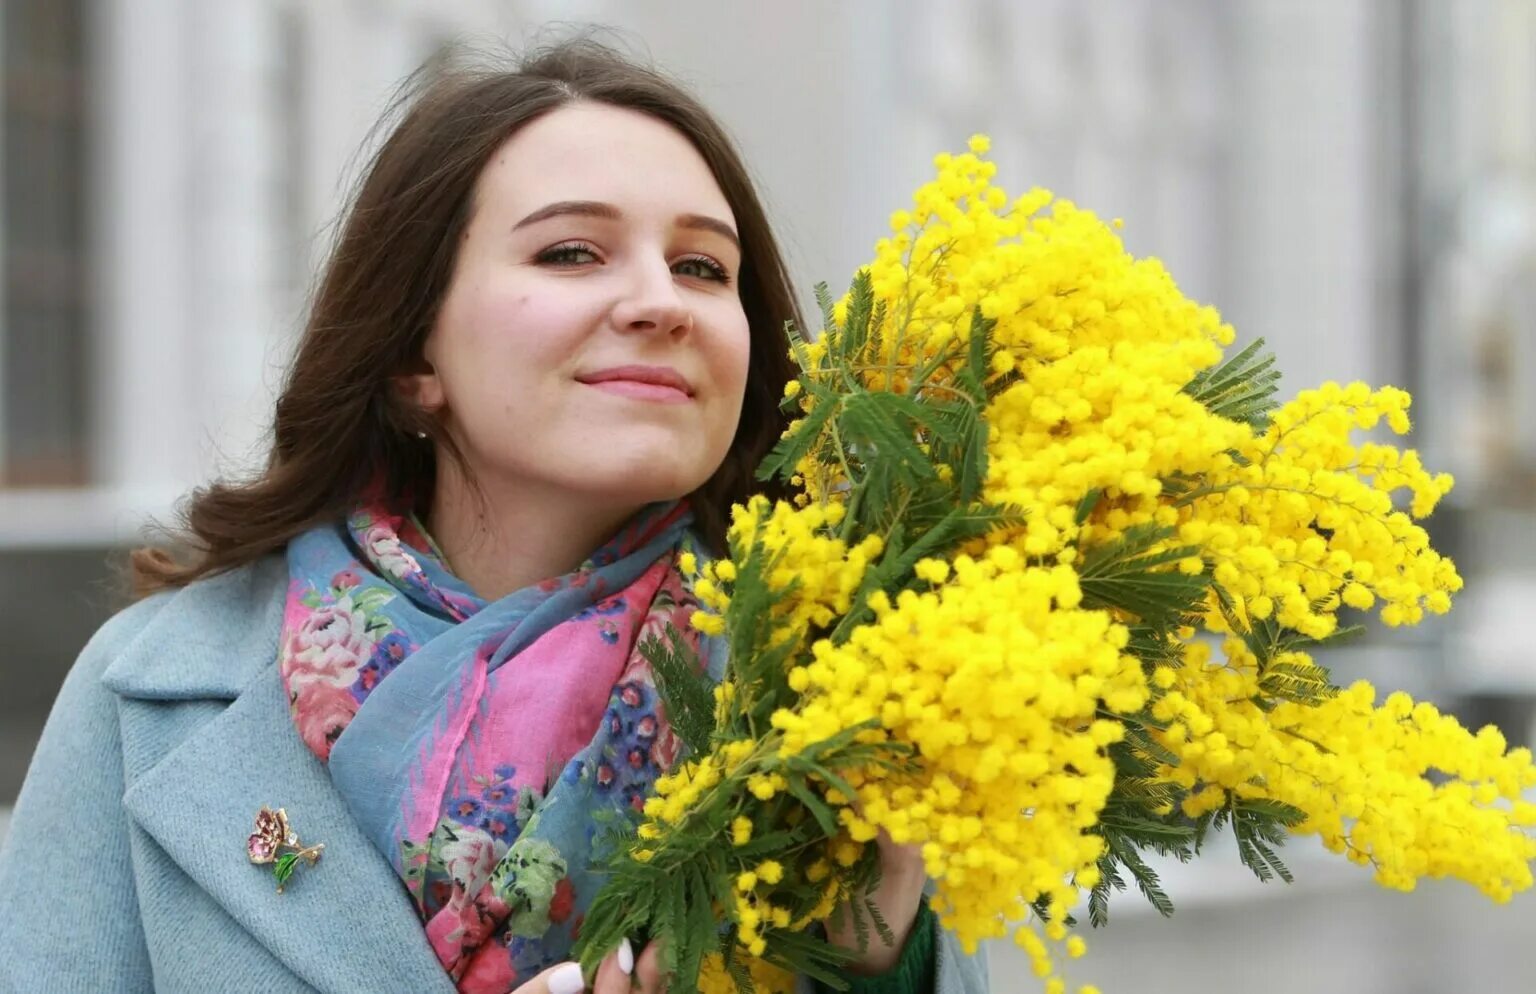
[344, 924]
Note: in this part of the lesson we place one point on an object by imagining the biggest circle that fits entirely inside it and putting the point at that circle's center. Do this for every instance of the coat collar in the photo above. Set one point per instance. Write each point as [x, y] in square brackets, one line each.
[345, 924]
[206, 641]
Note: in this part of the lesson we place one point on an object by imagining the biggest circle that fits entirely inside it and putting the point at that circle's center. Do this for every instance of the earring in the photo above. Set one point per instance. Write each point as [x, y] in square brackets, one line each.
[421, 434]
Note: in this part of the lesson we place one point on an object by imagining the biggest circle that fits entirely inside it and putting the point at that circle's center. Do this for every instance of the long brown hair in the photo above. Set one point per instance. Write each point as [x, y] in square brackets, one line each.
[340, 428]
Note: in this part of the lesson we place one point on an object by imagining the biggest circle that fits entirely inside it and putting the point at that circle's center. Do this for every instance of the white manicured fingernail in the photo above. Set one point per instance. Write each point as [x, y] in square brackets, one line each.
[566, 979]
[626, 957]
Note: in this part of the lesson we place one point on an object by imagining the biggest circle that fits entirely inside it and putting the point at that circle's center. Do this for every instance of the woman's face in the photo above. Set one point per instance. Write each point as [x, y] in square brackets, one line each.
[592, 340]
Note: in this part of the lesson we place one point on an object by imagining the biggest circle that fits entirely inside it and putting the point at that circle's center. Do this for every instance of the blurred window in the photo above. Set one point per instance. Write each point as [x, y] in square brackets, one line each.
[43, 299]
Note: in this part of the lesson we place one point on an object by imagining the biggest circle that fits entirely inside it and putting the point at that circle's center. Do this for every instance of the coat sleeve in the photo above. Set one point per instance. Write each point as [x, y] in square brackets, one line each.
[69, 916]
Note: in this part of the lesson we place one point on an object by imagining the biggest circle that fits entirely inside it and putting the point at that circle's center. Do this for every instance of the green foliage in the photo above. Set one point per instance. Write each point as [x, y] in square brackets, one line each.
[1260, 827]
[1280, 679]
[1130, 826]
[1303, 683]
[686, 689]
[1132, 576]
[877, 437]
[1240, 388]
[786, 455]
[737, 970]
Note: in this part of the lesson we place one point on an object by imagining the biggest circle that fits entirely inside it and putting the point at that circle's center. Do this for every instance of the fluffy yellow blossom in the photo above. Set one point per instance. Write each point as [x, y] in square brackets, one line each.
[999, 686]
[766, 978]
[1305, 519]
[1359, 771]
[709, 624]
[816, 572]
[770, 872]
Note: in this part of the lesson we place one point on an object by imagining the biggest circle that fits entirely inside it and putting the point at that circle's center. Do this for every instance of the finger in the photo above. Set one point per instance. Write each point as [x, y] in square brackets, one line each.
[648, 970]
[610, 978]
[564, 978]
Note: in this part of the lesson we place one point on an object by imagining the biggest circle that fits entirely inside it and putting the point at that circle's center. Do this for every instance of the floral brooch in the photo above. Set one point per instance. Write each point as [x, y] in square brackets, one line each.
[271, 838]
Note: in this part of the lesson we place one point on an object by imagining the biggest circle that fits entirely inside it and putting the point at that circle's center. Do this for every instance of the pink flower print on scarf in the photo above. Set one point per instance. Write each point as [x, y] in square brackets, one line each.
[384, 547]
[329, 640]
[325, 649]
[461, 927]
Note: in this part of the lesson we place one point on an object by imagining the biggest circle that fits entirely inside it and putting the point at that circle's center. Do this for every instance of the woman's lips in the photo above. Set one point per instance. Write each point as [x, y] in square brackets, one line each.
[656, 384]
[654, 392]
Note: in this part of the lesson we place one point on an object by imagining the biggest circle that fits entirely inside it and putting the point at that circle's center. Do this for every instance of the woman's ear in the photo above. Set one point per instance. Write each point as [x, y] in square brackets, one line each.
[421, 389]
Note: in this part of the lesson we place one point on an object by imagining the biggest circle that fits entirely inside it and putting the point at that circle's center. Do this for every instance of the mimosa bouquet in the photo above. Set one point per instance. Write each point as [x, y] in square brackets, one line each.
[1044, 604]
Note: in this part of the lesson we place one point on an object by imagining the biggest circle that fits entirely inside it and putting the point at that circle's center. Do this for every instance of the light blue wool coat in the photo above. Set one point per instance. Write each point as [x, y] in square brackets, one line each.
[125, 868]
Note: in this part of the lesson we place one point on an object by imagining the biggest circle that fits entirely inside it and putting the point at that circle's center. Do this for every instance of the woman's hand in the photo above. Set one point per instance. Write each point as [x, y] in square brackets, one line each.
[619, 973]
[898, 897]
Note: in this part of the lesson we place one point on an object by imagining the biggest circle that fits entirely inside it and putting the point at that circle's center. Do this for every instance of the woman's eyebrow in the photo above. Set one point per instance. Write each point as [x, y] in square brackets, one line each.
[608, 212]
[703, 222]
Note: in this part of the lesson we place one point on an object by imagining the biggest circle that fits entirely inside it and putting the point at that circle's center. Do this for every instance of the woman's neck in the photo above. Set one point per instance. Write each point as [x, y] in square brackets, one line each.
[500, 538]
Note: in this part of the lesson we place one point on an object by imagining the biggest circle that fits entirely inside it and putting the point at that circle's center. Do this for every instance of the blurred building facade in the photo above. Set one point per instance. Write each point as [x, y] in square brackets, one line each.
[1353, 180]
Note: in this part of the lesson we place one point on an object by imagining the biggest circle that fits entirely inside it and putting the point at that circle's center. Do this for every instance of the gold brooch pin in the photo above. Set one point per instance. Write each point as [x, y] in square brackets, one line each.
[271, 837]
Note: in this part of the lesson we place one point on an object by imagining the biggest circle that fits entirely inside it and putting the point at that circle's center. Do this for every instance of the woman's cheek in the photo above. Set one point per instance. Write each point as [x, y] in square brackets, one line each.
[738, 353]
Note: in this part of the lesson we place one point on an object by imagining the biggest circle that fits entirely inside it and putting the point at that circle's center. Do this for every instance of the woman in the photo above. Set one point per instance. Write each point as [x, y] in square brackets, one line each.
[544, 358]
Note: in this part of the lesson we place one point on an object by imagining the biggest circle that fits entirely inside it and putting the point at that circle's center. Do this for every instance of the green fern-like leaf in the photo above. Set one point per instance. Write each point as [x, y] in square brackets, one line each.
[860, 315]
[1127, 575]
[1240, 388]
[686, 691]
[737, 970]
[1146, 881]
[1098, 898]
[1122, 854]
[824, 303]
[960, 525]
[1303, 683]
[804, 438]
[1260, 826]
[880, 426]
[1085, 506]
[802, 952]
[882, 928]
[1146, 828]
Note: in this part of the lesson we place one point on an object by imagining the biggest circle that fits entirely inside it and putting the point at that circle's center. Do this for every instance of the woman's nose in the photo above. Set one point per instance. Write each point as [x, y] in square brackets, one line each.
[651, 302]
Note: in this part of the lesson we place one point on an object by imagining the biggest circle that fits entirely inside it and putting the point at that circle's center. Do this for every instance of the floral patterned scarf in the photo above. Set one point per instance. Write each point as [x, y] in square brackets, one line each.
[475, 741]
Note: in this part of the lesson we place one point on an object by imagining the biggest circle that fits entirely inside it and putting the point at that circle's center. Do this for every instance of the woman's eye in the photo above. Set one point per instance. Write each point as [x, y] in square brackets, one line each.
[578, 254]
[567, 255]
[703, 268]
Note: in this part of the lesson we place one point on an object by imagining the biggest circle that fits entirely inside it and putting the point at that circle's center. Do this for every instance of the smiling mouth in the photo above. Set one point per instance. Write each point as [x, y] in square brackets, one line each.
[637, 381]
[639, 390]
